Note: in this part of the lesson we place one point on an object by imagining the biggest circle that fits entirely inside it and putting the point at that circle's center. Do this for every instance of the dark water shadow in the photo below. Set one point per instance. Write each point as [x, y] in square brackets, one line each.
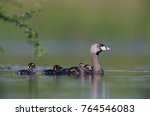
[33, 87]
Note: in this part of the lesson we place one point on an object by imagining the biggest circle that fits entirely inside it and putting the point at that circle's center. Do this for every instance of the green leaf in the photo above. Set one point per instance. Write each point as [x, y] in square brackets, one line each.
[21, 22]
[37, 6]
[39, 51]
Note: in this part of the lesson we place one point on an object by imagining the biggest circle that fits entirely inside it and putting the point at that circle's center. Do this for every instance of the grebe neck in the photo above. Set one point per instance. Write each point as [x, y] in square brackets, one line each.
[96, 64]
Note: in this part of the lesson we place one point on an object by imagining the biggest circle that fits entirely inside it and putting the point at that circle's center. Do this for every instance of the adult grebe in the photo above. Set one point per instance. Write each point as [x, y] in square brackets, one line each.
[96, 67]
[94, 52]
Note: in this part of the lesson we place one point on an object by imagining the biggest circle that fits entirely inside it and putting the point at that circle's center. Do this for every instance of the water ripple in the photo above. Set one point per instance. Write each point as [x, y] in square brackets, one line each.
[120, 70]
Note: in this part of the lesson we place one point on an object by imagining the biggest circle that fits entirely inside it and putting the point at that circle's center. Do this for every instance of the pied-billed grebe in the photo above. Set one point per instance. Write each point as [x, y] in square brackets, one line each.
[76, 70]
[52, 71]
[29, 71]
[94, 52]
[96, 67]
[88, 69]
[56, 70]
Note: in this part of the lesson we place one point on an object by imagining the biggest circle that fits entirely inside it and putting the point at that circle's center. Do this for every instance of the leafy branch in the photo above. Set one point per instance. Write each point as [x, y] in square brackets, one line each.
[22, 22]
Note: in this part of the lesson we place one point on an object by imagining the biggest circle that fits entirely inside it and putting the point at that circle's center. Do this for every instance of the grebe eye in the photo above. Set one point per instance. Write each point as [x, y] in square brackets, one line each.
[98, 46]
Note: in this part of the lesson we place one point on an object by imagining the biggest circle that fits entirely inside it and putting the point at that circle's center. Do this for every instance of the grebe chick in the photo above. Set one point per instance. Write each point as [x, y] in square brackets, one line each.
[56, 70]
[82, 68]
[48, 72]
[94, 52]
[88, 69]
[29, 71]
[51, 71]
[76, 70]
[59, 70]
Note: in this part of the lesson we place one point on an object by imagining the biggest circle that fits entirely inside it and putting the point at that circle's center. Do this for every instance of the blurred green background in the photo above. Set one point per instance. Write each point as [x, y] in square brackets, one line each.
[68, 27]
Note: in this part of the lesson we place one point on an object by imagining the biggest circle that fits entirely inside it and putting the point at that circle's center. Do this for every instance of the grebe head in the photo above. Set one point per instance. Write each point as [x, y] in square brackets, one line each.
[88, 69]
[57, 67]
[31, 66]
[97, 48]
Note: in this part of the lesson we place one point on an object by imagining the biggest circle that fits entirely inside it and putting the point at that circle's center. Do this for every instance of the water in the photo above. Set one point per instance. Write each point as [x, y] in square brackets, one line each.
[126, 65]
[114, 84]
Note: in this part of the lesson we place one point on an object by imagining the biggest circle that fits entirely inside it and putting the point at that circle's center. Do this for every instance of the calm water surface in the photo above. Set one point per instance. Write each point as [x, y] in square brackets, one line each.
[126, 65]
[114, 84]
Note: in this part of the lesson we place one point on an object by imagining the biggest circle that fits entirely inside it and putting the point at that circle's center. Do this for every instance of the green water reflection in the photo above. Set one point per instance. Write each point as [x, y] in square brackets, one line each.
[111, 85]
